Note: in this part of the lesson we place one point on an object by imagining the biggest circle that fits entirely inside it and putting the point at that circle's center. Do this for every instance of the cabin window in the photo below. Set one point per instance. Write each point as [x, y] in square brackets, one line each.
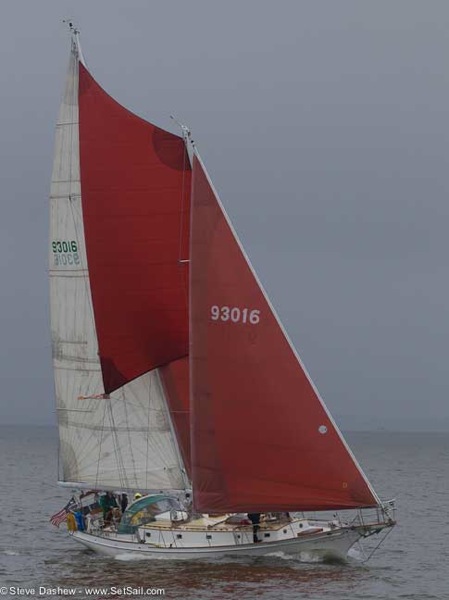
[300, 525]
[285, 531]
[266, 535]
[208, 536]
[179, 536]
[148, 533]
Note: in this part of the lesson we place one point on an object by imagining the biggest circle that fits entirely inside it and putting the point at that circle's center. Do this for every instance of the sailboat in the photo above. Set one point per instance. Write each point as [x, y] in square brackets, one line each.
[174, 377]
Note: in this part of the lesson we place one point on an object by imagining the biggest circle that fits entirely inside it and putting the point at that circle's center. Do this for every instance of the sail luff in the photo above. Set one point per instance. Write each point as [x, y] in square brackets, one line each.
[370, 498]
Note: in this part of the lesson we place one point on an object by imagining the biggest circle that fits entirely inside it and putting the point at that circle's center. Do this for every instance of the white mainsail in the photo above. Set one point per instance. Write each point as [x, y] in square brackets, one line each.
[121, 441]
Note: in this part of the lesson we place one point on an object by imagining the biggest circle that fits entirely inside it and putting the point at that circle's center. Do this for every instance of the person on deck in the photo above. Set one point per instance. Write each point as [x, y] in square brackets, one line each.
[107, 503]
[255, 520]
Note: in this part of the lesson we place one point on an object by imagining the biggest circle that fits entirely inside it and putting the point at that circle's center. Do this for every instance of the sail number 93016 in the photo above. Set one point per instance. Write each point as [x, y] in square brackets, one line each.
[65, 252]
[235, 314]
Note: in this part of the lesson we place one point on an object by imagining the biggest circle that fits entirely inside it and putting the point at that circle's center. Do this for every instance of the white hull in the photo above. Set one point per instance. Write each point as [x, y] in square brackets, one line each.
[321, 546]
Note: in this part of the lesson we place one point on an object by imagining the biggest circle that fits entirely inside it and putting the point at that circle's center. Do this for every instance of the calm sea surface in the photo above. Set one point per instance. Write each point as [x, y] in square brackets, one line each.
[413, 563]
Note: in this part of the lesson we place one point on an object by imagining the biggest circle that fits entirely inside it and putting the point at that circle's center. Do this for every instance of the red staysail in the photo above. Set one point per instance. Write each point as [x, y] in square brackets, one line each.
[135, 181]
[261, 437]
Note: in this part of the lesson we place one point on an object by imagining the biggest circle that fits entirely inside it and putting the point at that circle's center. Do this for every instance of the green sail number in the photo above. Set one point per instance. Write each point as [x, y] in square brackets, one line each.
[64, 246]
[65, 252]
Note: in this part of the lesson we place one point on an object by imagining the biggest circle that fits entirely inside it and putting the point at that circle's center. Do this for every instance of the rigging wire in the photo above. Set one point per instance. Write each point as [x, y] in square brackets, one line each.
[99, 447]
[117, 450]
[382, 540]
[127, 423]
[184, 192]
[148, 437]
[183, 195]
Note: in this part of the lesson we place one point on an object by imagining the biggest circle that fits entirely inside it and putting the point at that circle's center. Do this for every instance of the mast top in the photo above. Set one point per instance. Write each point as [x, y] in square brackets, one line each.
[187, 137]
[186, 133]
[76, 45]
[71, 25]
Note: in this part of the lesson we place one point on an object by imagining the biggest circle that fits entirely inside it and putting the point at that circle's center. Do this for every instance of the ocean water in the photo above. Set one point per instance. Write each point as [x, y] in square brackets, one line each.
[412, 563]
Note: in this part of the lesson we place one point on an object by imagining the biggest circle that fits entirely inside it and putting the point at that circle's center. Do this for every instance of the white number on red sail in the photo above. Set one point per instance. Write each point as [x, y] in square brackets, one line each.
[235, 314]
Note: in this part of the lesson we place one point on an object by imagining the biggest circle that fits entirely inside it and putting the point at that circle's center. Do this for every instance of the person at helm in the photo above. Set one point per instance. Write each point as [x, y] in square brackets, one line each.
[137, 495]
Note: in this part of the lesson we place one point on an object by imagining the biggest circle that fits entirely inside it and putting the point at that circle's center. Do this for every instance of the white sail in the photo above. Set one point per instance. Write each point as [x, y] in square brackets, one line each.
[125, 440]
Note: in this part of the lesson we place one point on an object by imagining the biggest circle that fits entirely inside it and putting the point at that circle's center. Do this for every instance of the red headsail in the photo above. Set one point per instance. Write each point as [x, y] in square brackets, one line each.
[262, 439]
[135, 181]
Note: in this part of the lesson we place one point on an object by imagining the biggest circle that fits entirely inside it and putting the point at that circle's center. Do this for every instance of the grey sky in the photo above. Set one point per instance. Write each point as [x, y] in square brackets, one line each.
[324, 126]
